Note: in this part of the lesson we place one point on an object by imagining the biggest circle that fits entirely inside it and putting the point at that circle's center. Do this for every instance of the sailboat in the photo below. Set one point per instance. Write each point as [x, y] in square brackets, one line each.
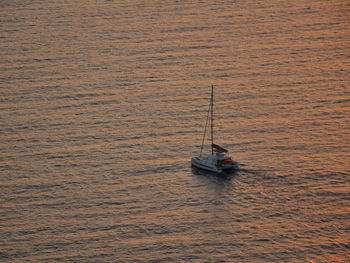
[218, 160]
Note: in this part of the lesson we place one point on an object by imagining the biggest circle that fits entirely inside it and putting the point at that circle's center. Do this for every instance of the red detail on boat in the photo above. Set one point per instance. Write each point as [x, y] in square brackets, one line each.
[227, 161]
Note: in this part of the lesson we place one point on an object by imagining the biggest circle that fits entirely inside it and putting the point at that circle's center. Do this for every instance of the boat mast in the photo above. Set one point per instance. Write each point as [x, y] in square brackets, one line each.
[212, 118]
[205, 128]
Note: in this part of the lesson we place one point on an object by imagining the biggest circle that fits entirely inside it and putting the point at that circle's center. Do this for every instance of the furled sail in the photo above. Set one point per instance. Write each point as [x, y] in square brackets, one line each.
[218, 148]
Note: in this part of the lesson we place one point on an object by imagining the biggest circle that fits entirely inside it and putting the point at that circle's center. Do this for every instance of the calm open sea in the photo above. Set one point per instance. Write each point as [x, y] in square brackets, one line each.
[103, 104]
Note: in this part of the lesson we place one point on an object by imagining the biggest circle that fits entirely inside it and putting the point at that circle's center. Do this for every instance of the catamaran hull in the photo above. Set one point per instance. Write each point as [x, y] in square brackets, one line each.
[212, 168]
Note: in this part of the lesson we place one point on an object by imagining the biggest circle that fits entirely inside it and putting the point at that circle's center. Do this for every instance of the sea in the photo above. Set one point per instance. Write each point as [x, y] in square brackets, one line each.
[103, 103]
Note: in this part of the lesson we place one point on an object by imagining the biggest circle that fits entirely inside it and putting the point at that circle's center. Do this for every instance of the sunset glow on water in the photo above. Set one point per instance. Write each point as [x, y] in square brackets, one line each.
[103, 104]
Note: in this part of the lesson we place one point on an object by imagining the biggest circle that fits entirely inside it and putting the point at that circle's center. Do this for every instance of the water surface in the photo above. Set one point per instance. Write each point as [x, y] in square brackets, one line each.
[103, 103]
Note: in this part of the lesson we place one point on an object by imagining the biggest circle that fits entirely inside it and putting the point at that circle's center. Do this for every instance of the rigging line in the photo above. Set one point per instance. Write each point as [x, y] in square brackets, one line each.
[212, 118]
[205, 129]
